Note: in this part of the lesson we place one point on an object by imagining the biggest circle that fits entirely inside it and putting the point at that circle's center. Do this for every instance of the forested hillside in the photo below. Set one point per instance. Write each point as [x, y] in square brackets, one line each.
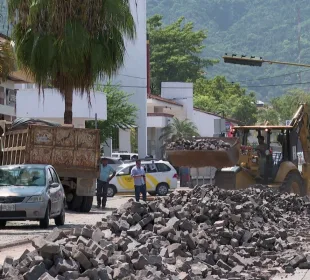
[267, 28]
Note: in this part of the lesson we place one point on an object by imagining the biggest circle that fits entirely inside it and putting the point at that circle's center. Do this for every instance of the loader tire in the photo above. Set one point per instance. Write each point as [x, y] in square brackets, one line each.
[294, 183]
[76, 203]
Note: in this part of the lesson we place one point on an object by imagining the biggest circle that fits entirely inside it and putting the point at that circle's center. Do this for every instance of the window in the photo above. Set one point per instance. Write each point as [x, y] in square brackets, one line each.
[125, 157]
[150, 168]
[115, 139]
[125, 171]
[22, 176]
[162, 167]
[54, 175]
[49, 177]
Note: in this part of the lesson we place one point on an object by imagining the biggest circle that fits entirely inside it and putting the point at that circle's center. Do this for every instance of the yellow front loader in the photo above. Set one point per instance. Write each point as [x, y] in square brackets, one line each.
[241, 165]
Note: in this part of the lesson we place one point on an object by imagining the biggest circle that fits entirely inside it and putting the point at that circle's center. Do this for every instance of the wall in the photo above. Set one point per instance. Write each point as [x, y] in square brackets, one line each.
[181, 93]
[132, 77]
[124, 140]
[204, 123]
[29, 104]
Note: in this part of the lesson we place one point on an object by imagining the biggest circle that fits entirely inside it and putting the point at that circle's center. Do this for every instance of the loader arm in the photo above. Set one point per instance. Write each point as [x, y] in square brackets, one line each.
[301, 126]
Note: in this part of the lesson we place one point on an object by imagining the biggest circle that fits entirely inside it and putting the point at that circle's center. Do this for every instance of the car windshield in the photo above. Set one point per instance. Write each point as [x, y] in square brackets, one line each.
[22, 176]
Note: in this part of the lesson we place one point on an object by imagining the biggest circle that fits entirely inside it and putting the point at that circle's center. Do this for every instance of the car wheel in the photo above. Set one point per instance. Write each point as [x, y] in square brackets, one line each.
[2, 223]
[152, 193]
[111, 191]
[60, 220]
[45, 222]
[162, 189]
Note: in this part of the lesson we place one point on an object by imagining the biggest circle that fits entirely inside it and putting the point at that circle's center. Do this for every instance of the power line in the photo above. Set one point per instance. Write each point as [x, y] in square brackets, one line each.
[132, 76]
[277, 85]
[271, 77]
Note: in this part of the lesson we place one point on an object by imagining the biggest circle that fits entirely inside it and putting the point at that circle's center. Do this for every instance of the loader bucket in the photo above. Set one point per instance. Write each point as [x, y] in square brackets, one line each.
[203, 158]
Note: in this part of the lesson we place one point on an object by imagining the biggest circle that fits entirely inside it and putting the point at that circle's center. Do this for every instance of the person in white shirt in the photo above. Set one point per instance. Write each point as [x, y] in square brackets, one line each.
[138, 175]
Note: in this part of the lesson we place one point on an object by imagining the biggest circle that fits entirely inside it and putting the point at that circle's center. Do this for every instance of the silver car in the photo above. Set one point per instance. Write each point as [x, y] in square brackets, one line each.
[31, 192]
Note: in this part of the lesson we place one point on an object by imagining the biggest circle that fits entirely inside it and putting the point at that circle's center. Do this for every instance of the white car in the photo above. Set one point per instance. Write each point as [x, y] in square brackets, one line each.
[161, 177]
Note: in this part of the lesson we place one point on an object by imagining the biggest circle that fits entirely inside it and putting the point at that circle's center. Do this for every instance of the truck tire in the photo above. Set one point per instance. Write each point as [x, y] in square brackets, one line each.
[76, 203]
[87, 204]
[294, 183]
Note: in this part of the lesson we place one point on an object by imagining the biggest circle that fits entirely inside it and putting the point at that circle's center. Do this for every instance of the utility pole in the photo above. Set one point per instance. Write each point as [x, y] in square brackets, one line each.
[257, 61]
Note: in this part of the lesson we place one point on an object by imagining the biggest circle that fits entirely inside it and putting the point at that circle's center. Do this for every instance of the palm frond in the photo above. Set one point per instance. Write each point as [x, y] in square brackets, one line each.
[7, 60]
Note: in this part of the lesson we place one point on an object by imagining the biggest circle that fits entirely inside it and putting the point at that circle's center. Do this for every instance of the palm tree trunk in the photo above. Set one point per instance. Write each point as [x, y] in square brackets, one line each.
[68, 106]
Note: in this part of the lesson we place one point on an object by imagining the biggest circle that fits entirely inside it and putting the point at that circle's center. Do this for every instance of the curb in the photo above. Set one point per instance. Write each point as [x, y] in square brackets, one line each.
[16, 243]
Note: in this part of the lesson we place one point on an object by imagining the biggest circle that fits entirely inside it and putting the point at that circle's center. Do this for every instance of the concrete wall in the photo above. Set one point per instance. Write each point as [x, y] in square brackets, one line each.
[181, 93]
[132, 77]
[124, 140]
[30, 104]
[204, 123]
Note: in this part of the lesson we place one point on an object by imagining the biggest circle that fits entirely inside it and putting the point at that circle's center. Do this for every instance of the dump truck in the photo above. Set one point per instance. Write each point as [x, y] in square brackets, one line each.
[74, 153]
[241, 165]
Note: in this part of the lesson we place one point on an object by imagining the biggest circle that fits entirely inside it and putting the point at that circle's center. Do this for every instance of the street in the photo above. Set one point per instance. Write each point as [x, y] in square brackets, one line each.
[20, 232]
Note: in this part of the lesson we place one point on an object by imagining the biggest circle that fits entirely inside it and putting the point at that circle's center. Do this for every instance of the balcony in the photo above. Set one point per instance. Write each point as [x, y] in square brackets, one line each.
[158, 120]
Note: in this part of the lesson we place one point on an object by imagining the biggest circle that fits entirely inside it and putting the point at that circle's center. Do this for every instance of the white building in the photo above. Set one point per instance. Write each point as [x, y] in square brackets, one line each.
[176, 101]
[131, 78]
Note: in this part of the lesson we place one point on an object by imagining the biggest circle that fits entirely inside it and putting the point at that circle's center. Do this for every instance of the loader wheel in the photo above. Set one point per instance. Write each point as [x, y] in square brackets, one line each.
[294, 183]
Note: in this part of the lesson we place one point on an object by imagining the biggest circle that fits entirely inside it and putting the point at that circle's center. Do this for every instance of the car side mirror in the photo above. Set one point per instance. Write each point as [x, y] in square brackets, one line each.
[54, 185]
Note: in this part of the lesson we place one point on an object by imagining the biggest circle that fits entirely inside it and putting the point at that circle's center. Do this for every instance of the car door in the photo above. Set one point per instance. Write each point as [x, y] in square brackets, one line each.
[124, 180]
[164, 174]
[53, 192]
[58, 191]
[151, 176]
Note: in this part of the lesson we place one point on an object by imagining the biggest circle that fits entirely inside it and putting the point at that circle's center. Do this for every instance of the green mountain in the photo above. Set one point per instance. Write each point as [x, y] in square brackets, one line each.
[273, 29]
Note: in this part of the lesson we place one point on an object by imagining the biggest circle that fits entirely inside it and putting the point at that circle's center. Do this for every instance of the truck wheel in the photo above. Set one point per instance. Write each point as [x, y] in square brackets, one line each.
[87, 204]
[45, 222]
[294, 183]
[75, 203]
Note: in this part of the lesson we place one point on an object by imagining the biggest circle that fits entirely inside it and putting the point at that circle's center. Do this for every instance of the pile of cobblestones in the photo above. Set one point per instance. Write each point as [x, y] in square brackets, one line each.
[206, 233]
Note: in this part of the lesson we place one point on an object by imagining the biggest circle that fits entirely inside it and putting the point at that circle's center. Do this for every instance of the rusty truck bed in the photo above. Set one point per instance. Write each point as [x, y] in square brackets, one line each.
[74, 152]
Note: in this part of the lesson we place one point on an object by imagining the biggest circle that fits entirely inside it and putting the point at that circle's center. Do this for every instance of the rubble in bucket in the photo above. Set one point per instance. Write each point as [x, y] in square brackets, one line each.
[210, 144]
[206, 233]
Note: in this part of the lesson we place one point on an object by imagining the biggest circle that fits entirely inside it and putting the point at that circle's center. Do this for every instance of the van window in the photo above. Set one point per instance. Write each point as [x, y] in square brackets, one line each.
[150, 168]
[125, 157]
[126, 171]
[162, 167]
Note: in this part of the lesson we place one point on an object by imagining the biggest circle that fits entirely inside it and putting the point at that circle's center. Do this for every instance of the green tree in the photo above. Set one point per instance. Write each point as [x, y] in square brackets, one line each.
[175, 52]
[7, 60]
[220, 97]
[121, 113]
[287, 104]
[178, 129]
[70, 44]
[268, 114]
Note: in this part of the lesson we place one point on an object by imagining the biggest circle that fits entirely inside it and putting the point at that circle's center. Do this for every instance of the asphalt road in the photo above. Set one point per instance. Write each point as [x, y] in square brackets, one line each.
[18, 231]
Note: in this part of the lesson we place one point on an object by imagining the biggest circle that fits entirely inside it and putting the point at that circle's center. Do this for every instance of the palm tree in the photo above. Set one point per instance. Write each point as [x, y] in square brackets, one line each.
[178, 129]
[7, 60]
[70, 44]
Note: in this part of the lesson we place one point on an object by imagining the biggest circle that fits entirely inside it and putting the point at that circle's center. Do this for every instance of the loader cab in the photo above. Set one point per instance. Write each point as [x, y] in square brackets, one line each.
[280, 145]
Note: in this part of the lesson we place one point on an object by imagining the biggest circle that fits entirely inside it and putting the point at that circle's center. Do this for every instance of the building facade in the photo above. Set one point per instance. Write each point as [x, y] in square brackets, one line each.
[176, 101]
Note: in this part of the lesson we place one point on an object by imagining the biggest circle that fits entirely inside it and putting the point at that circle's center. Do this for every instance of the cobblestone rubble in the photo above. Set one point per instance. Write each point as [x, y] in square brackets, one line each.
[203, 234]
[199, 144]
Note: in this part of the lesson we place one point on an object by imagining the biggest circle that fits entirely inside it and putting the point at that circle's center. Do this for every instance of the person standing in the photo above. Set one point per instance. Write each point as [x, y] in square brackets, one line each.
[138, 175]
[106, 175]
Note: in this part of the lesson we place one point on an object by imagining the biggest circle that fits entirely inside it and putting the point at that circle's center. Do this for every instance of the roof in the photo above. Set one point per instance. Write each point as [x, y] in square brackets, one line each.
[261, 127]
[159, 98]
[169, 101]
[217, 115]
